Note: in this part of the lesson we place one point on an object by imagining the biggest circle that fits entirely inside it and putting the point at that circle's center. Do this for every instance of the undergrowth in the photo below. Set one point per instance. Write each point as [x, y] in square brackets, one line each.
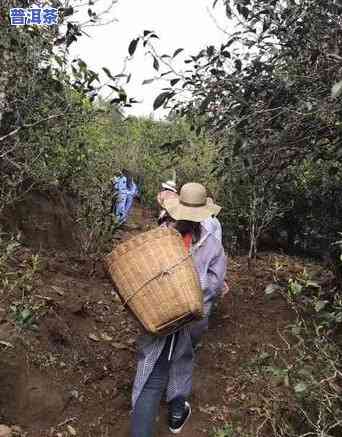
[19, 269]
[303, 380]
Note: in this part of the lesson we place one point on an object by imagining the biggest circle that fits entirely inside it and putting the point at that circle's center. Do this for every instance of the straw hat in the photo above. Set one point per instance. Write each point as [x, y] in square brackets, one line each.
[217, 208]
[170, 185]
[192, 204]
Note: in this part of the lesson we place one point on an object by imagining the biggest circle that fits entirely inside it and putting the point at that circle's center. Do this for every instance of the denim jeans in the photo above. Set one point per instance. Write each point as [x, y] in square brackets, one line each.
[128, 205]
[147, 406]
[120, 208]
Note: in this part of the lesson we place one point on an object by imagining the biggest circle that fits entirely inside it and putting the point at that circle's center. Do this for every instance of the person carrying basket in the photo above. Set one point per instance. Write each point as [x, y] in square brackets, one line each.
[165, 364]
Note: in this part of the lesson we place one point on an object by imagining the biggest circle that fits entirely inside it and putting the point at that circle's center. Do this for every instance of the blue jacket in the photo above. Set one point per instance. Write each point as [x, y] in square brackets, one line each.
[120, 184]
[133, 191]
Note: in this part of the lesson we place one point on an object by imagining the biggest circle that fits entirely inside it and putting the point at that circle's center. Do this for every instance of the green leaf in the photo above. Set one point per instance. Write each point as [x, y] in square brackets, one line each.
[296, 330]
[147, 32]
[243, 11]
[174, 81]
[155, 63]
[82, 65]
[228, 9]
[108, 73]
[177, 52]
[25, 315]
[59, 60]
[320, 305]
[123, 96]
[210, 51]
[147, 81]
[114, 88]
[336, 90]
[264, 356]
[133, 46]
[238, 65]
[333, 171]
[295, 287]
[161, 99]
[226, 54]
[231, 41]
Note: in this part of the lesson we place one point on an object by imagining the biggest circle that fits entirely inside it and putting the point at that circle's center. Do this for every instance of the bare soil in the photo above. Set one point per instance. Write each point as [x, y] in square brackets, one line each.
[75, 370]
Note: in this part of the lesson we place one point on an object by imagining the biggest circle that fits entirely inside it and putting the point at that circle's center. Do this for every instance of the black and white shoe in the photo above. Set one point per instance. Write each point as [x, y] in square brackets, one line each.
[176, 423]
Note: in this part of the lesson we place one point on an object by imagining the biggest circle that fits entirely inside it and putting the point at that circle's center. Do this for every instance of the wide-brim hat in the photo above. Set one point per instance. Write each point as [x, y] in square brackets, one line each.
[216, 207]
[170, 185]
[192, 204]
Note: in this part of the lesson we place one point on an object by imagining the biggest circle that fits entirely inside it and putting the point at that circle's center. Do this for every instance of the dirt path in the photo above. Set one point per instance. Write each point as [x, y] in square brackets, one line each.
[240, 328]
[76, 370]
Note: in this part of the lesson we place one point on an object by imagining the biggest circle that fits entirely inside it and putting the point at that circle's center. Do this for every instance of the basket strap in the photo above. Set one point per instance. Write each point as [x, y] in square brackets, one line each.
[199, 244]
[163, 272]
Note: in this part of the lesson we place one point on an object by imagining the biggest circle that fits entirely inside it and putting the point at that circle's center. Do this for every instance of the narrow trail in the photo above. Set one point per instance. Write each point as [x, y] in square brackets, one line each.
[77, 368]
[240, 327]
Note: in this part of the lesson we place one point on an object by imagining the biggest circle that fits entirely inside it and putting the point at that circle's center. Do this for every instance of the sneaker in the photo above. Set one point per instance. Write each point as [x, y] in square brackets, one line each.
[198, 346]
[177, 423]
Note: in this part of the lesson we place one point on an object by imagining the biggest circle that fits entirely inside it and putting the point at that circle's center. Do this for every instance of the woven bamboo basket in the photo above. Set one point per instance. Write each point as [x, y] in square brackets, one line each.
[156, 279]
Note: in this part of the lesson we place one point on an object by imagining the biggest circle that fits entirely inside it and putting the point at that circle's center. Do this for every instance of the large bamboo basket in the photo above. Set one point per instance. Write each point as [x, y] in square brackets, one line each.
[156, 279]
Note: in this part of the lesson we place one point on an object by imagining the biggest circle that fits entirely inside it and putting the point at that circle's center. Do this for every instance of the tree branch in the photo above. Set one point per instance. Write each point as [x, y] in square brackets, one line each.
[26, 126]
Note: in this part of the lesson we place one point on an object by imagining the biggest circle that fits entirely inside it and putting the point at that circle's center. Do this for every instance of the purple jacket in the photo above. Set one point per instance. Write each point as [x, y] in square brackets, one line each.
[211, 265]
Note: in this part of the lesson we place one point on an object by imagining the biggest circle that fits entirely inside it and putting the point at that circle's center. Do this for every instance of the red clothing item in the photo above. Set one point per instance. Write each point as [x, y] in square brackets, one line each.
[187, 238]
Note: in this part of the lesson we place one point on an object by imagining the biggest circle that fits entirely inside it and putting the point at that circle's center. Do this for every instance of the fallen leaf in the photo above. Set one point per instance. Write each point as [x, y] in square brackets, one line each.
[74, 394]
[6, 343]
[71, 430]
[229, 389]
[118, 345]
[207, 410]
[93, 337]
[58, 290]
[106, 337]
[44, 297]
[300, 387]
[271, 288]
